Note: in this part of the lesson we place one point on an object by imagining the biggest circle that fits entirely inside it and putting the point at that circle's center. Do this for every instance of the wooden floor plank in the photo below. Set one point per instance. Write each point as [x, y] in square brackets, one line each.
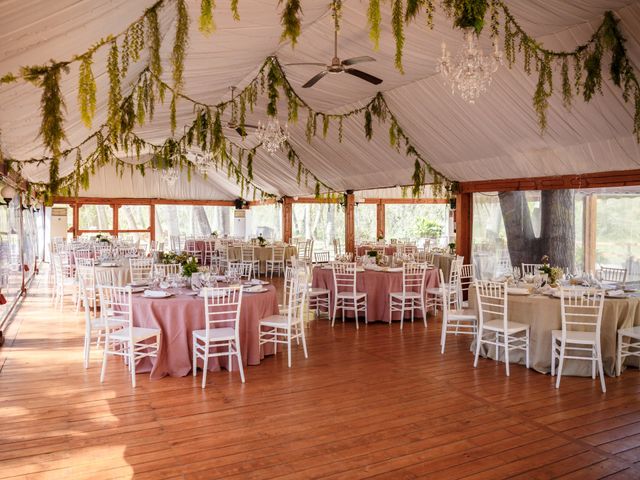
[372, 403]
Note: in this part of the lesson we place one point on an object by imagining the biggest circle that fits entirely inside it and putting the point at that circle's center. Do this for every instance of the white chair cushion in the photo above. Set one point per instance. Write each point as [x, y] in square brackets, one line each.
[99, 324]
[225, 333]
[512, 327]
[139, 334]
[274, 321]
[313, 292]
[407, 295]
[461, 318]
[350, 295]
[633, 332]
[575, 337]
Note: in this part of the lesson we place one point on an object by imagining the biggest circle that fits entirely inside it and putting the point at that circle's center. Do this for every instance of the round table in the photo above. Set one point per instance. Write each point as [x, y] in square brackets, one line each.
[377, 285]
[363, 249]
[443, 261]
[121, 275]
[262, 254]
[178, 316]
[543, 314]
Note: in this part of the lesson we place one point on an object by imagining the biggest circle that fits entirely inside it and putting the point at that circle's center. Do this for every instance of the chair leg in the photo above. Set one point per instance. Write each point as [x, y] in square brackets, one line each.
[506, 351]
[526, 352]
[205, 366]
[335, 309]
[443, 335]
[304, 344]
[619, 356]
[229, 357]
[289, 348]
[87, 348]
[132, 365]
[104, 359]
[366, 319]
[424, 312]
[600, 368]
[194, 359]
[240, 366]
[553, 356]
[560, 364]
[478, 342]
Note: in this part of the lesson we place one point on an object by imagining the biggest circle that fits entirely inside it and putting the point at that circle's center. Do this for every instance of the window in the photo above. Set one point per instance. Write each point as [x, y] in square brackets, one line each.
[265, 220]
[320, 221]
[192, 220]
[133, 217]
[96, 218]
[418, 221]
[366, 222]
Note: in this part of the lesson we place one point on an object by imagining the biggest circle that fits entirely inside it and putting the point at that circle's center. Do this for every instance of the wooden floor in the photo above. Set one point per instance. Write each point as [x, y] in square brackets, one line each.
[373, 403]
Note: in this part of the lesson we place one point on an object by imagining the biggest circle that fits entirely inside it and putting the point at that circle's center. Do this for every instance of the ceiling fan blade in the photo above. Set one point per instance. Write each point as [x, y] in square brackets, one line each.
[315, 79]
[363, 76]
[354, 60]
[240, 131]
[306, 63]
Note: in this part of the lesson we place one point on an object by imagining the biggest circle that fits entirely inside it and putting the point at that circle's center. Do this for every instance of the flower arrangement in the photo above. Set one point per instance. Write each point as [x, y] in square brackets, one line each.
[214, 234]
[188, 262]
[103, 238]
[452, 248]
[261, 240]
[380, 237]
[554, 273]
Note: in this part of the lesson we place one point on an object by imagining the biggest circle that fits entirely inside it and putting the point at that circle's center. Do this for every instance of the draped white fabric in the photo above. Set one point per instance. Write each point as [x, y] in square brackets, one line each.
[498, 137]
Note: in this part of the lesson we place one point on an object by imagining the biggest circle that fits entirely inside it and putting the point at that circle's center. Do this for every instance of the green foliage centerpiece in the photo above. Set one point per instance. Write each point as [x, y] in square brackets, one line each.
[554, 273]
[188, 262]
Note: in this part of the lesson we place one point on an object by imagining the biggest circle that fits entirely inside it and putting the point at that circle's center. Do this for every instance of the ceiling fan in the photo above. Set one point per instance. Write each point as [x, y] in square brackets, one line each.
[233, 122]
[338, 66]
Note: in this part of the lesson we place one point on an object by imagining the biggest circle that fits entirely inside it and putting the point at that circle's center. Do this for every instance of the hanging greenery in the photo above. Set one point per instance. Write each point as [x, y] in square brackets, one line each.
[87, 91]
[115, 93]
[206, 25]
[291, 20]
[397, 23]
[374, 19]
[467, 13]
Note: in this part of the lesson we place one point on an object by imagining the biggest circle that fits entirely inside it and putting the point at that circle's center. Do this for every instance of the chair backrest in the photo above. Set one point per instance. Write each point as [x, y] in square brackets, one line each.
[176, 243]
[531, 268]
[454, 273]
[344, 277]
[247, 253]
[83, 253]
[140, 268]
[129, 252]
[429, 257]
[190, 246]
[82, 291]
[244, 270]
[581, 309]
[222, 307]
[301, 249]
[413, 277]
[610, 274]
[209, 248]
[492, 302]
[87, 274]
[467, 276]
[117, 302]
[321, 257]
[104, 277]
[166, 269]
[277, 253]
[297, 297]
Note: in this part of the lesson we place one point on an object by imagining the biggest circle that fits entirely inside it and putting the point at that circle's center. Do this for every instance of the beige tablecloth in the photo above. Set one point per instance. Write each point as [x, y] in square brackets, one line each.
[543, 314]
[263, 254]
[121, 275]
[443, 261]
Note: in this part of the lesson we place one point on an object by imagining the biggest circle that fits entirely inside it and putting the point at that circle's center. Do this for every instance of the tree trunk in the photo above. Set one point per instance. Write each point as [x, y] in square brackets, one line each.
[201, 224]
[557, 231]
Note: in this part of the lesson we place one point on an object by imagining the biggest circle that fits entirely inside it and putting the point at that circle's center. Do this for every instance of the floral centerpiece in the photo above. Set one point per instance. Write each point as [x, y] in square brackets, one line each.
[189, 263]
[214, 234]
[554, 274]
[103, 238]
[452, 248]
[261, 240]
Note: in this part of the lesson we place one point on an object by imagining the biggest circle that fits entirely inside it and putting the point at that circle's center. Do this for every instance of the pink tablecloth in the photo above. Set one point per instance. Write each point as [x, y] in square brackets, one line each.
[389, 250]
[377, 286]
[180, 315]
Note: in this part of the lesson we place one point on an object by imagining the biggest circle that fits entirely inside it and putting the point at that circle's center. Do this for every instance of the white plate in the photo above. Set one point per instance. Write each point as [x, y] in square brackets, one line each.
[157, 294]
[190, 293]
[109, 265]
[517, 291]
[138, 289]
[213, 294]
[557, 294]
[256, 290]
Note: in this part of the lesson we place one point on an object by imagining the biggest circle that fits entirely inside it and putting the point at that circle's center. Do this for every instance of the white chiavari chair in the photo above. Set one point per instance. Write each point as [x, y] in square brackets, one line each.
[455, 321]
[93, 326]
[580, 335]
[221, 308]
[610, 274]
[412, 297]
[531, 268]
[191, 247]
[132, 343]
[451, 290]
[247, 255]
[86, 271]
[321, 258]
[346, 297]
[276, 263]
[492, 304]
[283, 329]
[243, 270]
[83, 253]
[628, 346]
[141, 270]
[64, 279]
[166, 269]
[466, 279]
[209, 252]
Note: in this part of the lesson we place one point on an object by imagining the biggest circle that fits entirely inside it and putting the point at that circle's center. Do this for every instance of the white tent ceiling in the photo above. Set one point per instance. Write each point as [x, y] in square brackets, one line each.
[498, 137]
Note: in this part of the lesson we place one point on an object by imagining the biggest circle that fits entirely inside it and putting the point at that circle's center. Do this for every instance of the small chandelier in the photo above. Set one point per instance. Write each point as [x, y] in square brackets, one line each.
[170, 176]
[470, 73]
[272, 135]
[201, 161]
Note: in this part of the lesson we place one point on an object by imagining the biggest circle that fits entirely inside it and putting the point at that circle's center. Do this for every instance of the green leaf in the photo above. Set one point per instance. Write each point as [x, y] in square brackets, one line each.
[206, 25]
[290, 20]
[397, 25]
[86, 91]
[373, 20]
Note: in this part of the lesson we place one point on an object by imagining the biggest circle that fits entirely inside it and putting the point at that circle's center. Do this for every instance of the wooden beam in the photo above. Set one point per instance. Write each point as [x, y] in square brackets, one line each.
[141, 201]
[76, 219]
[380, 220]
[464, 225]
[287, 219]
[152, 221]
[313, 200]
[405, 201]
[350, 224]
[588, 180]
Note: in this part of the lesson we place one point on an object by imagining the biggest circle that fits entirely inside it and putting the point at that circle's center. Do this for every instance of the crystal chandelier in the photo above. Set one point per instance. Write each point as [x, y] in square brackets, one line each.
[201, 161]
[272, 135]
[470, 73]
[170, 176]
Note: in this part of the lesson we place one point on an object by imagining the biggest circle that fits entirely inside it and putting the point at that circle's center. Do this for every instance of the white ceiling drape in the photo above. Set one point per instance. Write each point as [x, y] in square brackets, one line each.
[498, 137]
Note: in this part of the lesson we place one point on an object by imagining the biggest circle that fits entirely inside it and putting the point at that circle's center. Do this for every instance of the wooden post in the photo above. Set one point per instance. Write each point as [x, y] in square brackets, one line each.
[380, 219]
[464, 224]
[589, 216]
[350, 224]
[287, 219]
[152, 221]
[115, 208]
[76, 219]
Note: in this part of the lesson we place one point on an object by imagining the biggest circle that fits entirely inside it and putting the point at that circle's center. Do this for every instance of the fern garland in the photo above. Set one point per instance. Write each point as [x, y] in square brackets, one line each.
[206, 24]
[291, 20]
[397, 24]
[87, 91]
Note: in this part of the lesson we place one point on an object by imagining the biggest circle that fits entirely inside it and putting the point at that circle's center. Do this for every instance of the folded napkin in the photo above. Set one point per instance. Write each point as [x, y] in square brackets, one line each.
[615, 293]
